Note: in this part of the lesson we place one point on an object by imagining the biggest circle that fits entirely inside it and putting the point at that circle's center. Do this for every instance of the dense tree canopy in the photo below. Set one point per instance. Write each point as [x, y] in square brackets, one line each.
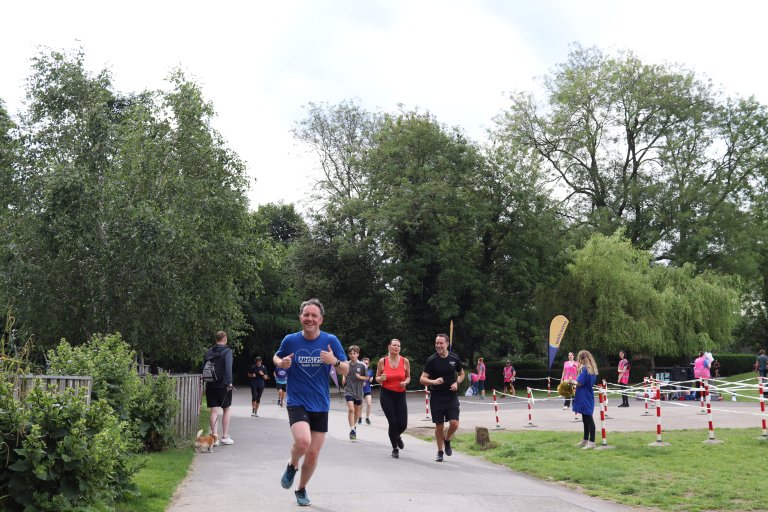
[131, 215]
[127, 212]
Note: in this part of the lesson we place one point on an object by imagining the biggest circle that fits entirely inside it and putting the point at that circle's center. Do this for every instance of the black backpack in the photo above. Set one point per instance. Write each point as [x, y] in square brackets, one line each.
[213, 369]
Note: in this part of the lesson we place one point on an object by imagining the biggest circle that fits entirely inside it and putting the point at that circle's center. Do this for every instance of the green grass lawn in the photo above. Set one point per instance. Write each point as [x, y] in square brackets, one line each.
[686, 476]
[161, 475]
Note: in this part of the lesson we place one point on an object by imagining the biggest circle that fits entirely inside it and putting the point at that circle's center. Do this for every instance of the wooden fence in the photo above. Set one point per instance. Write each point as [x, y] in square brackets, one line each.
[54, 383]
[188, 391]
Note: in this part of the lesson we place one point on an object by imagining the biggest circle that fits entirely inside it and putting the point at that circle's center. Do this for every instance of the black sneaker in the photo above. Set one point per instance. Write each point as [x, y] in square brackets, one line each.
[367, 421]
[439, 457]
[359, 421]
[301, 497]
[352, 434]
[395, 453]
[448, 450]
[287, 480]
[400, 443]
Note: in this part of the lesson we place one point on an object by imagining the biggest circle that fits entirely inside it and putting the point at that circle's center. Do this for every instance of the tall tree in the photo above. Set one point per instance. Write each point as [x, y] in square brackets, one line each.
[134, 216]
[651, 148]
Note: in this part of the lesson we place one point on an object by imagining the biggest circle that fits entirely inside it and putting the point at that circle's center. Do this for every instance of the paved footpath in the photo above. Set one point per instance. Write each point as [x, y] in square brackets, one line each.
[360, 474]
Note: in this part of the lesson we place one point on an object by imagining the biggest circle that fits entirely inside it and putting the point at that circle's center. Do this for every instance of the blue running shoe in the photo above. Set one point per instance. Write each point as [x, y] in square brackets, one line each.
[301, 497]
[287, 480]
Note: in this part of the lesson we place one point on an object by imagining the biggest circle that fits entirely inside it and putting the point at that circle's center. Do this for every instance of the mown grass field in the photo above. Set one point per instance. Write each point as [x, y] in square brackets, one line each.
[687, 476]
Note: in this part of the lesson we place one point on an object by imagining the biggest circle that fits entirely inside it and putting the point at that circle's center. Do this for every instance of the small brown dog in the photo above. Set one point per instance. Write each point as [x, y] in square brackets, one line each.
[205, 443]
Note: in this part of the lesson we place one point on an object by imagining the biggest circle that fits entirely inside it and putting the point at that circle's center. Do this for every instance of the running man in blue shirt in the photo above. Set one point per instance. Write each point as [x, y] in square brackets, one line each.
[308, 356]
[281, 382]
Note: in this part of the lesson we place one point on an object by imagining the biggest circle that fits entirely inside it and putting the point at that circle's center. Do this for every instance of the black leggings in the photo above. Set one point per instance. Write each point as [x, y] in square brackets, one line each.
[396, 410]
[624, 394]
[589, 427]
[256, 392]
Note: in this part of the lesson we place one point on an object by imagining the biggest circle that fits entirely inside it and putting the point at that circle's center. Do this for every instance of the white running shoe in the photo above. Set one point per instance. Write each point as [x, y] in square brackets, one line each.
[227, 440]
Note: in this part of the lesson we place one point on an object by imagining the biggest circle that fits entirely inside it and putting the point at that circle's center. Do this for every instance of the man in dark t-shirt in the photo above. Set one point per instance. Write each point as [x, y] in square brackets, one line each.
[443, 373]
[762, 363]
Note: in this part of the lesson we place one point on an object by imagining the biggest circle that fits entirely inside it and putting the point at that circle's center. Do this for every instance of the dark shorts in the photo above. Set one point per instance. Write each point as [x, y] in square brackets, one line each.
[444, 407]
[350, 398]
[480, 385]
[280, 387]
[366, 393]
[318, 421]
[217, 397]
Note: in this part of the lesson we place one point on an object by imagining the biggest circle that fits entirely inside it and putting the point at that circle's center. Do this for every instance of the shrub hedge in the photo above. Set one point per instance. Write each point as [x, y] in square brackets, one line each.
[149, 404]
[61, 454]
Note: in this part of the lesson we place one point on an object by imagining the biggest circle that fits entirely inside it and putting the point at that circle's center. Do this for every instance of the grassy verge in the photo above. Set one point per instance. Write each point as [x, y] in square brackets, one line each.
[158, 480]
[686, 476]
[161, 475]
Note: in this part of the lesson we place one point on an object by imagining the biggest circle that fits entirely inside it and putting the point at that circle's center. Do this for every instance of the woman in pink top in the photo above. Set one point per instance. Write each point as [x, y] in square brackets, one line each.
[570, 372]
[623, 378]
[481, 377]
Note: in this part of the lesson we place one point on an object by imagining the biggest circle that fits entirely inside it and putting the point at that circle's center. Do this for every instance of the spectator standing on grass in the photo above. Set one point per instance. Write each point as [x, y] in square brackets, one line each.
[584, 399]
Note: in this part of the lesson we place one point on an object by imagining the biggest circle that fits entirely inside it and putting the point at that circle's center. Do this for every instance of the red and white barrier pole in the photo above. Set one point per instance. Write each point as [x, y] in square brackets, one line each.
[605, 401]
[496, 409]
[711, 439]
[602, 393]
[530, 409]
[645, 388]
[426, 404]
[658, 441]
[549, 388]
[761, 390]
[702, 409]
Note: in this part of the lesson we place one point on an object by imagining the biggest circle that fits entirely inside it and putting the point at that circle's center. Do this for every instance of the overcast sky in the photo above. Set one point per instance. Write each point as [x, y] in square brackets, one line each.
[261, 62]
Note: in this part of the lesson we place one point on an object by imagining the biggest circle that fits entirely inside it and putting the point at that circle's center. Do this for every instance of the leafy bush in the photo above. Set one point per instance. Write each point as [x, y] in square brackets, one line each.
[111, 363]
[149, 405]
[61, 454]
[154, 409]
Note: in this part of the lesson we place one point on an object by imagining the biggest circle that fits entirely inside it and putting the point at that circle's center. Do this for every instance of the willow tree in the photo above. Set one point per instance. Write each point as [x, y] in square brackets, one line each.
[617, 299]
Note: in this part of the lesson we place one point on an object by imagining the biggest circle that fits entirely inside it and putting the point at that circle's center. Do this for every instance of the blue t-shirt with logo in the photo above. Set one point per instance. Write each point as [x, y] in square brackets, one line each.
[281, 375]
[308, 375]
[367, 383]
